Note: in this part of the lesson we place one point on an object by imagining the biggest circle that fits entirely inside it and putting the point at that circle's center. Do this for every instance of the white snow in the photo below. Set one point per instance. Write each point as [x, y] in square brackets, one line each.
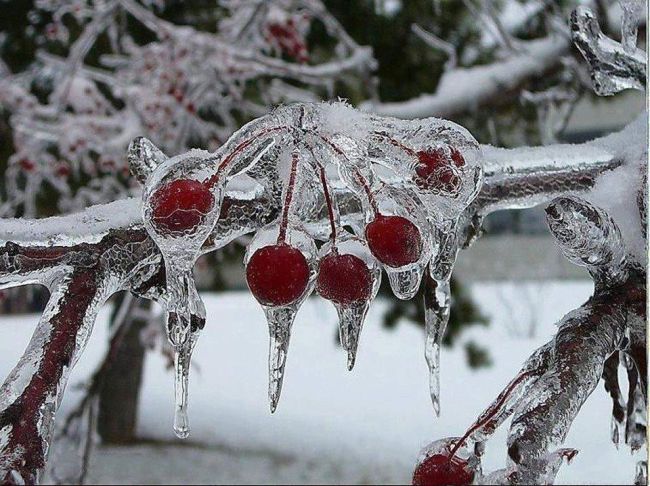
[332, 426]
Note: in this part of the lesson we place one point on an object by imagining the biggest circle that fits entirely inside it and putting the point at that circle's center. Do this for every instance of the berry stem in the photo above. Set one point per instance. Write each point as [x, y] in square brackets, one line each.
[491, 411]
[397, 143]
[236, 151]
[330, 207]
[284, 222]
[359, 176]
[328, 198]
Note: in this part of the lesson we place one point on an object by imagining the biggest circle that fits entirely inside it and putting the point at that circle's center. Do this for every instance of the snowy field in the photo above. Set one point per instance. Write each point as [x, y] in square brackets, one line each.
[334, 426]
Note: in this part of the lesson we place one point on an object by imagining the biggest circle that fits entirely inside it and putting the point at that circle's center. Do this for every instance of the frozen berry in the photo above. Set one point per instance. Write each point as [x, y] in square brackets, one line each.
[438, 469]
[62, 170]
[343, 279]
[277, 274]
[394, 240]
[435, 169]
[181, 205]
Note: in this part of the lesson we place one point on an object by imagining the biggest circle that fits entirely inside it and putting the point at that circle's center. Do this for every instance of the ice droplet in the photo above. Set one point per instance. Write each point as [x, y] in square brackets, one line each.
[280, 320]
[182, 356]
[405, 281]
[351, 319]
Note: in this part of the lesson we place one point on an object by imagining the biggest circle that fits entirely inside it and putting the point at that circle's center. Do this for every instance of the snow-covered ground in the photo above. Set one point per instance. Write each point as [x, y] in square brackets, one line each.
[333, 426]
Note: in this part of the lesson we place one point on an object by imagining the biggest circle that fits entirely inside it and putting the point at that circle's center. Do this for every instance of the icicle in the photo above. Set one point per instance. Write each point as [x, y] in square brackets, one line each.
[280, 320]
[616, 431]
[436, 316]
[351, 319]
[182, 356]
[349, 277]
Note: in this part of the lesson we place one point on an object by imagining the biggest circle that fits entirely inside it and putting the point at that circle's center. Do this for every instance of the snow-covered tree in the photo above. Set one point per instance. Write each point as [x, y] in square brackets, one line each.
[97, 82]
[380, 195]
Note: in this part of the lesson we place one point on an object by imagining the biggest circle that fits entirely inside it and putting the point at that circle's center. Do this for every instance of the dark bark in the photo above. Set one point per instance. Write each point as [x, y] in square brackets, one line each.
[120, 391]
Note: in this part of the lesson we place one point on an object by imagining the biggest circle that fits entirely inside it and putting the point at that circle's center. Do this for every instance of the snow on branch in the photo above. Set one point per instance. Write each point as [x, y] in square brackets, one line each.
[466, 88]
[463, 90]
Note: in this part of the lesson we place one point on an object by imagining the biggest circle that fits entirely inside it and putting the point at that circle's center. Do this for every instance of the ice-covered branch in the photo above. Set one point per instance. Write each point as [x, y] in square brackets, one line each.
[614, 66]
[346, 167]
[80, 279]
[548, 392]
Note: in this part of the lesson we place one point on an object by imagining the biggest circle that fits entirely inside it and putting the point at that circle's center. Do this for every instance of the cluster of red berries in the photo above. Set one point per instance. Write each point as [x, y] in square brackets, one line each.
[438, 169]
[279, 274]
[288, 39]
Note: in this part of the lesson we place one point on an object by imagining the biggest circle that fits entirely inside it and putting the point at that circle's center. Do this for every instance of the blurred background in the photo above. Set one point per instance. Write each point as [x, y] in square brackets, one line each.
[80, 78]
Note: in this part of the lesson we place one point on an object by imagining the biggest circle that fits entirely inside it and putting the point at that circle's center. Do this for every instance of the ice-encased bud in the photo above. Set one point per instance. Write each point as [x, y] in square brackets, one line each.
[348, 276]
[280, 315]
[144, 157]
[587, 235]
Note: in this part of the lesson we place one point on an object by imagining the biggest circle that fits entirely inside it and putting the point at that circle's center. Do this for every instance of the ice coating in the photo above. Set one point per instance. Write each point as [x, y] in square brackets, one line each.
[253, 194]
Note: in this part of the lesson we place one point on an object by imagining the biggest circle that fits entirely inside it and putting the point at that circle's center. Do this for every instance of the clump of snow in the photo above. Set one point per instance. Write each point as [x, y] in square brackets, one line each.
[616, 190]
[89, 226]
[340, 117]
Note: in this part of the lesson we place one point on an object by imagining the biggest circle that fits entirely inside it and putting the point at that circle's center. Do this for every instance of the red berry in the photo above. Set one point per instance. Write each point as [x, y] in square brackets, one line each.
[343, 279]
[439, 470]
[435, 169]
[181, 205]
[277, 274]
[62, 170]
[27, 165]
[394, 240]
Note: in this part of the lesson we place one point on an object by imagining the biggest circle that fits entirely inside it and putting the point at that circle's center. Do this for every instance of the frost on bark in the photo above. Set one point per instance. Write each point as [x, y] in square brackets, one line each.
[381, 195]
